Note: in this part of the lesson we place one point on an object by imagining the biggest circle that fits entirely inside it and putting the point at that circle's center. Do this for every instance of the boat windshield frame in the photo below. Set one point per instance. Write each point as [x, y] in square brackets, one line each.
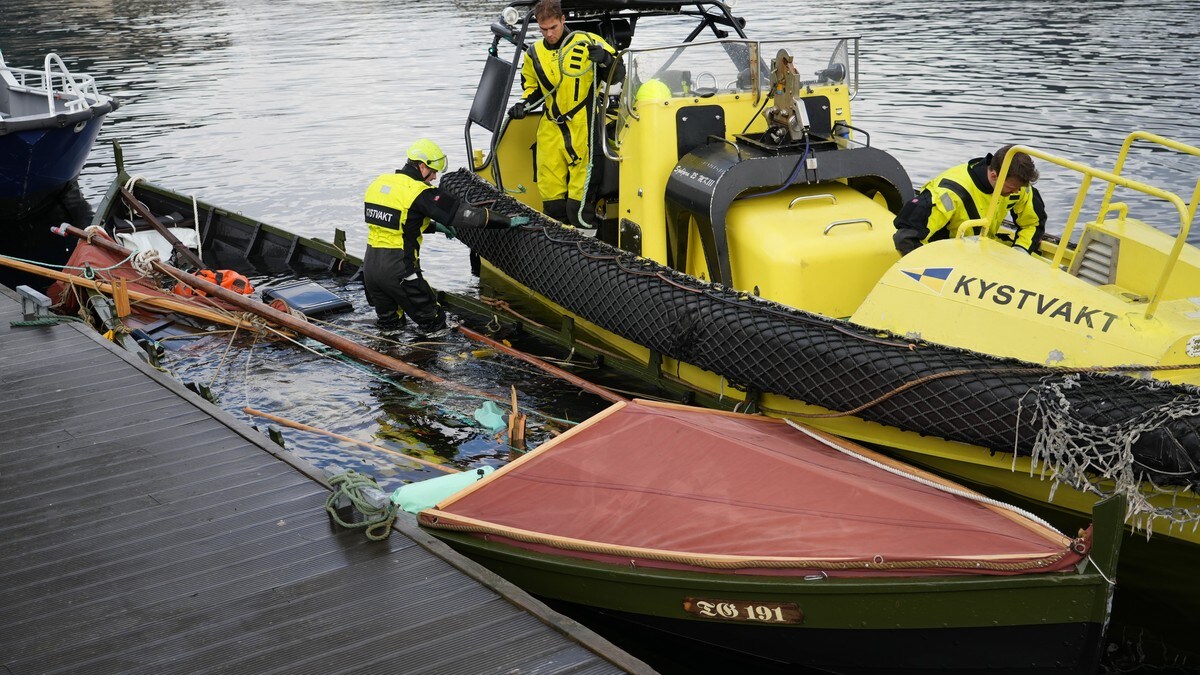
[845, 51]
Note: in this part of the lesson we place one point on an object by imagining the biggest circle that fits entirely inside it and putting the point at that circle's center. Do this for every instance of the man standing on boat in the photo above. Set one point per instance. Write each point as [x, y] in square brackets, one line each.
[561, 70]
[964, 192]
[399, 207]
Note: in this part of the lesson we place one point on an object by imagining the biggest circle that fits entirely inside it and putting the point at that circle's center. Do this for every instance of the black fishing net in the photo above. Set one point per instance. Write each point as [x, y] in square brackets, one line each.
[1000, 404]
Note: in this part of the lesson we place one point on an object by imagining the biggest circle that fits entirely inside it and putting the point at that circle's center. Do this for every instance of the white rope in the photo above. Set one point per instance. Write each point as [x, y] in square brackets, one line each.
[144, 261]
[129, 188]
[92, 231]
[1079, 455]
[196, 226]
[1111, 582]
[133, 180]
[221, 364]
[926, 482]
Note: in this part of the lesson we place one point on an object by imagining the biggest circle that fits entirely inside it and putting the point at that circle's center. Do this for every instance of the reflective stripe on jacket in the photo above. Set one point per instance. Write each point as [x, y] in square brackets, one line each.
[962, 193]
[567, 85]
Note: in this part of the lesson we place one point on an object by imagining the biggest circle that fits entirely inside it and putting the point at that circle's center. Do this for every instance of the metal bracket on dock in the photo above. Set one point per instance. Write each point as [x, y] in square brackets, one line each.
[34, 305]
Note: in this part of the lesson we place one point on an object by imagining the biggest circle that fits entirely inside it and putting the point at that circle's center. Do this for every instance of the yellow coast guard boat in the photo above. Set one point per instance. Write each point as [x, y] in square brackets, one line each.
[737, 162]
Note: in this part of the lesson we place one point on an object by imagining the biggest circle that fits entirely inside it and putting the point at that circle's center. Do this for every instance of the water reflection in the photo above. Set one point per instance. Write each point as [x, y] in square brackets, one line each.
[285, 110]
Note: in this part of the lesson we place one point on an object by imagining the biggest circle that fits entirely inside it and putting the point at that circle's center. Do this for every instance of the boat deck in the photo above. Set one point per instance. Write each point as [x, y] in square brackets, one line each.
[146, 531]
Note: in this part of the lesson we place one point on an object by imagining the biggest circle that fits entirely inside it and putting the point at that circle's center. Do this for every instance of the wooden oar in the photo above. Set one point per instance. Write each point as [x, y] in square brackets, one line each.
[162, 229]
[162, 303]
[304, 427]
[583, 384]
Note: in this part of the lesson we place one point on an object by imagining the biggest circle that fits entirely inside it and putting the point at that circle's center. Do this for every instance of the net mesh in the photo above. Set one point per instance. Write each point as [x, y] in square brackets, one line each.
[1135, 428]
[1079, 454]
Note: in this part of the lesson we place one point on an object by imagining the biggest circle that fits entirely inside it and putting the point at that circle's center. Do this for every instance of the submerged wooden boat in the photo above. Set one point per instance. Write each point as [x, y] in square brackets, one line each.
[786, 544]
[761, 269]
[49, 120]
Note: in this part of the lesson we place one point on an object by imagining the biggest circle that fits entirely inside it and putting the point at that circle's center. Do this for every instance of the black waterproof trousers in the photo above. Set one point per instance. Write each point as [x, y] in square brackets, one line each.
[396, 288]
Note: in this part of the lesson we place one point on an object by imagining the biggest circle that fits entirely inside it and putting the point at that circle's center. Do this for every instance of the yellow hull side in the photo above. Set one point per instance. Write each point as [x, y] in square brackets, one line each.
[979, 294]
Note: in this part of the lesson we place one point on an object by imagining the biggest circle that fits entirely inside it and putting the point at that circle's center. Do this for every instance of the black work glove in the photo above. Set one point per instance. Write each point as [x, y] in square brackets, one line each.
[499, 222]
[517, 112]
[600, 55]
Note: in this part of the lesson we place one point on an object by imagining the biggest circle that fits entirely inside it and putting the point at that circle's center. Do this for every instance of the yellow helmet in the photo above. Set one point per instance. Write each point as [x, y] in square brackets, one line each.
[653, 90]
[428, 153]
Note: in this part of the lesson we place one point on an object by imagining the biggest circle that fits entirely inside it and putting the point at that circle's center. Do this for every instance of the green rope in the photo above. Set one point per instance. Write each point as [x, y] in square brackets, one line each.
[45, 321]
[350, 486]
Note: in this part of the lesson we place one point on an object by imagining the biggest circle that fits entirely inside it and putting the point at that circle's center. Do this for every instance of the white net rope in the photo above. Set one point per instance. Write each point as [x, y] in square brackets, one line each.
[144, 261]
[1100, 459]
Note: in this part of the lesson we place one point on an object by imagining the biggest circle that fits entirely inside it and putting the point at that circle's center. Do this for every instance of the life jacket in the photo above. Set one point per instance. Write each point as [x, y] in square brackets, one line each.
[387, 209]
[227, 279]
[957, 185]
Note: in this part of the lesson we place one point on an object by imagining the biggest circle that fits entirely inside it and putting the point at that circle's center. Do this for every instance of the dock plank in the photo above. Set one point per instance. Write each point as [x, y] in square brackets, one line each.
[147, 531]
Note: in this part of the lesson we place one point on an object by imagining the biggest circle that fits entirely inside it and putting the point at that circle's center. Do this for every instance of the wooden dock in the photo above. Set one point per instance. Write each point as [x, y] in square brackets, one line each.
[144, 530]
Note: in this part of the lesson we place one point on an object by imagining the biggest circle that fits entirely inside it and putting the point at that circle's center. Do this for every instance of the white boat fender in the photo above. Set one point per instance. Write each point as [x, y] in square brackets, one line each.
[425, 494]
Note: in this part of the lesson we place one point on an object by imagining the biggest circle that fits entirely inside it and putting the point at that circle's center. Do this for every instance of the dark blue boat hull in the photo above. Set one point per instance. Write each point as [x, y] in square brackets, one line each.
[35, 164]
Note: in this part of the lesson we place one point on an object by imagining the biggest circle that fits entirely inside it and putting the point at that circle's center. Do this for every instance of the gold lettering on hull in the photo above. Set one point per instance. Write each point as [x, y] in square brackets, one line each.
[744, 610]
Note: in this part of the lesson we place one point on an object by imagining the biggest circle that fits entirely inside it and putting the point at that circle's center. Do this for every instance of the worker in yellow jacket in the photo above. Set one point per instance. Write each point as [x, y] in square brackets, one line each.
[399, 208]
[560, 71]
[964, 192]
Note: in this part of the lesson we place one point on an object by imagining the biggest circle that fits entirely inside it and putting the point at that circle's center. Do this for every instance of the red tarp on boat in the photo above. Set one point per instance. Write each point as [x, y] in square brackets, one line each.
[686, 488]
[109, 266]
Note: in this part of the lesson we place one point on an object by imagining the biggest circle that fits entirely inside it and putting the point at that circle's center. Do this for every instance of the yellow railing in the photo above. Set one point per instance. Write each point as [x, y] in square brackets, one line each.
[1187, 213]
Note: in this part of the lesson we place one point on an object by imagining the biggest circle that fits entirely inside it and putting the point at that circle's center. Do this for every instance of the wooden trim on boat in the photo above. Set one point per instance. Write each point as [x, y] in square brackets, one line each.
[166, 304]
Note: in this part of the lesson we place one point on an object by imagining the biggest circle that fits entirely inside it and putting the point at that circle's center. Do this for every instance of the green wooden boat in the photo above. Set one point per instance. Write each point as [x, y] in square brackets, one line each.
[787, 545]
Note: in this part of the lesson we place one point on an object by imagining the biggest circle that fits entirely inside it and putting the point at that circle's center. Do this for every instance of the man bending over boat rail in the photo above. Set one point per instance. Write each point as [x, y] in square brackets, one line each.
[964, 192]
[399, 207]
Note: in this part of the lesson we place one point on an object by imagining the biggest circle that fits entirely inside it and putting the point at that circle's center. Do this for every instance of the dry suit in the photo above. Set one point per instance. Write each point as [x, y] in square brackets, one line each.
[564, 75]
[963, 193]
[398, 208]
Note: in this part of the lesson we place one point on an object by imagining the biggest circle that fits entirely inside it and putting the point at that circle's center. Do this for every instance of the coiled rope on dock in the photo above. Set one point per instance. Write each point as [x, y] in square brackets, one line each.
[351, 487]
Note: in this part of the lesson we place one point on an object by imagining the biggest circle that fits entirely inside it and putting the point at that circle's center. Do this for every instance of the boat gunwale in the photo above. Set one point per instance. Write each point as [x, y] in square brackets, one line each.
[656, 576]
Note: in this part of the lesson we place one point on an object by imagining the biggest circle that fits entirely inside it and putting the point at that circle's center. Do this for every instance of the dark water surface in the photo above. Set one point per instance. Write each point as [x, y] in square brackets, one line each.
[285, 111]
